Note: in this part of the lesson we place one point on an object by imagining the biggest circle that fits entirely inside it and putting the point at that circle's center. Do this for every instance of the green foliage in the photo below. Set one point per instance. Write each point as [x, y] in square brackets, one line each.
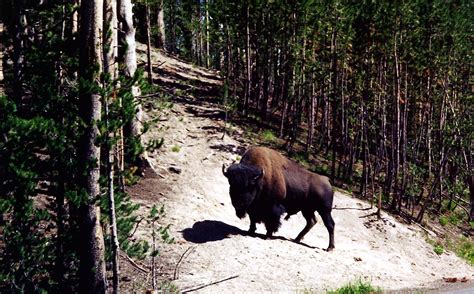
[465, 249]
[301, 158]
[454, 219]
[175, 148]
[163, 231]
[41, 187]
[443, 220]
[360, 287]
[438, 249]
[268, 136]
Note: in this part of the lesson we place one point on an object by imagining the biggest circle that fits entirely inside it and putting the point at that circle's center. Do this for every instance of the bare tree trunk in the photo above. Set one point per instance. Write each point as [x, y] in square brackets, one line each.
[206, 4]
[396, 130]
[1, 57]
[19, 27]
[161, 38]
[110, 68]
[91, 250]
[333, 78]
[248, 81]
[148, 43]
[127, 39]
[470, 182]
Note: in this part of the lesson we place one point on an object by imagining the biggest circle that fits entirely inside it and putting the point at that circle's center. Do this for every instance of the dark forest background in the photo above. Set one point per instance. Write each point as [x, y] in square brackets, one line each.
[377, 95]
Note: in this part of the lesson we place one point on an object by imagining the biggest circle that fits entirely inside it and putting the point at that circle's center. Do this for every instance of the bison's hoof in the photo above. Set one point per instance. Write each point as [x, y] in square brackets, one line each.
[251, 233]
[297, 240]
[330, 248]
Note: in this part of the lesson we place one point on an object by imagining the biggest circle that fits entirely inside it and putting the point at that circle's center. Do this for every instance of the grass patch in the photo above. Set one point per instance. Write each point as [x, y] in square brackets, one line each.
[175, 148]
[438, 249]
[322, 169]
[443, 220]
[268, 136]
[168, 287]
[360, 287]
[454, 219]
[462, 246]
[301, 158]
[465, 250]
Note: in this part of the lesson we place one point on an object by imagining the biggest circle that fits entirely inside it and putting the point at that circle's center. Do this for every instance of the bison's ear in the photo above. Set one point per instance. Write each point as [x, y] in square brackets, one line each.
[262, 173]
[224, 170]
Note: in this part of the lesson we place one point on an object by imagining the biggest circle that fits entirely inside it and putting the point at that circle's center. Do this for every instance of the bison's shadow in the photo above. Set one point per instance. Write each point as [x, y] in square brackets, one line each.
[210, 230]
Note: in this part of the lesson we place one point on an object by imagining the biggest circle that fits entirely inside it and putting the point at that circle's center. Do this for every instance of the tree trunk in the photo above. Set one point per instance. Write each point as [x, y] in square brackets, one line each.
[395, 206]
[470, 182]
[91, 250]
[1, 57]
[18, 33]
[110, 68]
[148, 43]
[161, 38]
[248, 81]
[129, 59]
[206, 5]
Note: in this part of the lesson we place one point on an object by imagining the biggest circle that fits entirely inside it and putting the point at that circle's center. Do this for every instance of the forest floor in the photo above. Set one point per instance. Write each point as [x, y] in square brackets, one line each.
[212, 252]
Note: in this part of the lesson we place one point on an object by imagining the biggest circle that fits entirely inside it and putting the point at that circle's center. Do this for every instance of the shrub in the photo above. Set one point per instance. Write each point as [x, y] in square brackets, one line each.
[360, 287]
[268, 136]
[438, 249]
[443, 220]
[175, 148]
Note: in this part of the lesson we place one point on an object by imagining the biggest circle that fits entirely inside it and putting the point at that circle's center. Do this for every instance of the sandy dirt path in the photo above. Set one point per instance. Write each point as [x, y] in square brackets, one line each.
[385, 252]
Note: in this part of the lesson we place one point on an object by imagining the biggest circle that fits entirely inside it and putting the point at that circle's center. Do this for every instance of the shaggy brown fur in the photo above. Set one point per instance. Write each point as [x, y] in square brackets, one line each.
[284, 183]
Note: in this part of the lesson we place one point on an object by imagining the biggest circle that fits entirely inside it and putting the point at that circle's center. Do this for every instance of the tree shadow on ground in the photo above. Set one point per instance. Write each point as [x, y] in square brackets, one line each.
[229, 148]
[209, 231]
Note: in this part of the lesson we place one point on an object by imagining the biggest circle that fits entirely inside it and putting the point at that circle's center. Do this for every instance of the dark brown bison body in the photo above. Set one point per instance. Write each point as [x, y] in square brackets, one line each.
[266, 184]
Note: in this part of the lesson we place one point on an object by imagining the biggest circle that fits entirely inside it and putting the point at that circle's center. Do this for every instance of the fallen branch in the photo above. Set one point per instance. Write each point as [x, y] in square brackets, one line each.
[136, 227]
[132, 262]
[195, 288]
[159, 65]
[182, 257]
[429, 232]
[150, 95]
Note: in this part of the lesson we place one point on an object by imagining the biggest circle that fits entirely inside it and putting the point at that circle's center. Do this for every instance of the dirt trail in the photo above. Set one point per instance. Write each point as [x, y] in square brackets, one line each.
[387, 253]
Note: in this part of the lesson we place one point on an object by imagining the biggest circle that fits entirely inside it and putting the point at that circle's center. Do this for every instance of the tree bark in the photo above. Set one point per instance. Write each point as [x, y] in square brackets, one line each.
[129, 59]
[248, 81]
[110, 68]
[148, 43]
[91, 250]
[161, 38]
[470, 181]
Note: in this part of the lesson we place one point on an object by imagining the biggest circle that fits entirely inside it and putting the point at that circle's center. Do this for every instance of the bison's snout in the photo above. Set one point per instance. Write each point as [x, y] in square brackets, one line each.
[240, 212]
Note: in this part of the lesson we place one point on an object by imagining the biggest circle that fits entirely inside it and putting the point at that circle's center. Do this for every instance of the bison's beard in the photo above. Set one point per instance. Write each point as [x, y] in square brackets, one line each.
[240, 212]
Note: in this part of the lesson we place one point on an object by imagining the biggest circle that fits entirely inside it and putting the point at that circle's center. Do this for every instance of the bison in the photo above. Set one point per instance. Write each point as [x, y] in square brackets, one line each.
[265, 184]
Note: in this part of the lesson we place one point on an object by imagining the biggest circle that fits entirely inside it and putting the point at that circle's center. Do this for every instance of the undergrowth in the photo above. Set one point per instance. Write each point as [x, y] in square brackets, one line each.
[359, 287]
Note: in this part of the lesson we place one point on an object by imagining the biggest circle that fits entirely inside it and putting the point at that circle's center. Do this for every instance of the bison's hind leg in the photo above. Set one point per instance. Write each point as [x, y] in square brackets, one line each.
[329, 223]
[310, 222]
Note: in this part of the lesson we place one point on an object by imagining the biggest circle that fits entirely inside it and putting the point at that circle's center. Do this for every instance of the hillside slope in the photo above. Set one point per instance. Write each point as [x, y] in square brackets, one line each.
[211, 244]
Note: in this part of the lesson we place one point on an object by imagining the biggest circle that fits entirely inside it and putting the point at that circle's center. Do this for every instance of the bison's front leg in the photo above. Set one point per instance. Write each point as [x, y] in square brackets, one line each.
[310, 222]
[272, 220]
[253, 225]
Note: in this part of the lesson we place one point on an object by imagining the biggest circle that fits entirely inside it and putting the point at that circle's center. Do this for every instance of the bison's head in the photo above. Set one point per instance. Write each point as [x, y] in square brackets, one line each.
[245, 185]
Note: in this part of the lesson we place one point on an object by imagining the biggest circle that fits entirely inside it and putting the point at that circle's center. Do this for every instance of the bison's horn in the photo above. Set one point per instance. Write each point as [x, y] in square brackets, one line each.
[260, 175]
[224, 170]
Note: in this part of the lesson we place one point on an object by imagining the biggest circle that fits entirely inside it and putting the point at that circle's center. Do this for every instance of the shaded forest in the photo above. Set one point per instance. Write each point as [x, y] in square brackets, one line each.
[377, 95]
[381, 91]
